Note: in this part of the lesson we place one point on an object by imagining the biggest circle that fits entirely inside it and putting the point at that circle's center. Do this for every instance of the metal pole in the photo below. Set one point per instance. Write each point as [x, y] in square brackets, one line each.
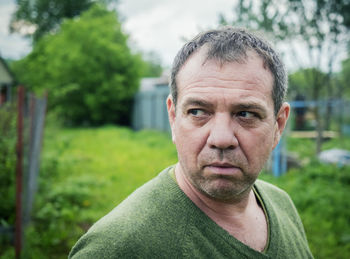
[277, 160]
[19, 168]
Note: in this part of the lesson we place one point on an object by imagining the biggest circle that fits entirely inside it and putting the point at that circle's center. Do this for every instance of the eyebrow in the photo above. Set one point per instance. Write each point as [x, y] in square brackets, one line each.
[250, 107]
[197, 102]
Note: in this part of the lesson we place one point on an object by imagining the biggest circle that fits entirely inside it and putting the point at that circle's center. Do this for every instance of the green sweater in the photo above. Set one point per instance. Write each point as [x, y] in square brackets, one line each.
[159, 221]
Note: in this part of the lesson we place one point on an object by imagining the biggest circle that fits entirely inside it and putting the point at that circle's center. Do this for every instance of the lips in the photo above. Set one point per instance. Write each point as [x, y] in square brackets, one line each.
[219, 168]
[224, 165]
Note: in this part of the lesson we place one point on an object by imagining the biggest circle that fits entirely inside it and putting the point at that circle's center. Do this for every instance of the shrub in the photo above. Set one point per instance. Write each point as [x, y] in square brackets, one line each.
[7, 167]
[87, 68]
[319, 192]
[56, 218]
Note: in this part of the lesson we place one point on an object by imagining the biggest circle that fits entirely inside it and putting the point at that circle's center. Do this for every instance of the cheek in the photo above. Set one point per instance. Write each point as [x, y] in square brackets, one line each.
[257, 146]
[189, 140]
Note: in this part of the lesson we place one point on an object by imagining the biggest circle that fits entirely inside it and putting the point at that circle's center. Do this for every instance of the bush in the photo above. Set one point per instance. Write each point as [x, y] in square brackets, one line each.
[56, 222]
[87, 68]
[320, 193]
[7, 168]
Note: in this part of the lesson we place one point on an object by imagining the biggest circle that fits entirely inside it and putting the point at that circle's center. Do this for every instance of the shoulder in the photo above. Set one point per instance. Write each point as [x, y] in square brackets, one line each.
[142, 224]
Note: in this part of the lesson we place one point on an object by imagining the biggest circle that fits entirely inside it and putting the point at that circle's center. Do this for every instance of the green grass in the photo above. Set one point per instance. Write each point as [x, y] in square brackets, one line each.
[117, 159]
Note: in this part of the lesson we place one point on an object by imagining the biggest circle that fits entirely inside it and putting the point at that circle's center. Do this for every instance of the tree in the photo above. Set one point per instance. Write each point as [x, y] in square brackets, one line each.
[344, 77]
[342, 81]
[88, 69]
[319, 27]
[338, 8]
[299, 82]
[38, 17]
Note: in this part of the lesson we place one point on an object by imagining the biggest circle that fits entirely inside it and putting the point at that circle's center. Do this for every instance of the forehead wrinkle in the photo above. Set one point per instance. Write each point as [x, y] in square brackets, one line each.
[218, 78]
[251, 55]
[221, 83]
[244, 103]
[201, 91]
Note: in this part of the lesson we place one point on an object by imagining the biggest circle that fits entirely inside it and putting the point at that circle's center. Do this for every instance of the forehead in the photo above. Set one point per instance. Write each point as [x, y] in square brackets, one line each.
[247, 79]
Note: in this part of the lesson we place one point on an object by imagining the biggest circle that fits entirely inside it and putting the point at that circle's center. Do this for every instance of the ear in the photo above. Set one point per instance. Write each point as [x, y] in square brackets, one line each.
[281, 122]
[171, 115]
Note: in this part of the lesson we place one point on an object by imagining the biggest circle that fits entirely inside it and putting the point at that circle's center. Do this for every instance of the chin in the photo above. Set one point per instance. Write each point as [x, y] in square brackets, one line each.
[225, 191]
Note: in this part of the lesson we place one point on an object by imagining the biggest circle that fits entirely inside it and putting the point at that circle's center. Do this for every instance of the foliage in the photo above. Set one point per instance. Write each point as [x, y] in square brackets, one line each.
[318, 26]
[344, 77]
[40, 17]
[299, 82]
[319, 192]
[294, 20]
[7, 165]
[56, 209]
[336, 8]
[88, 69]
[117, 158]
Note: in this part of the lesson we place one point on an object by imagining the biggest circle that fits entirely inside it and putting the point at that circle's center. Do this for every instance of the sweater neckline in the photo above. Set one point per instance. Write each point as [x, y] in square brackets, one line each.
[199, 215]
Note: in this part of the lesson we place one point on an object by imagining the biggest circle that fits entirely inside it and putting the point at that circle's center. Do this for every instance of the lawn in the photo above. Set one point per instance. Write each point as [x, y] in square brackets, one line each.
[113, 160]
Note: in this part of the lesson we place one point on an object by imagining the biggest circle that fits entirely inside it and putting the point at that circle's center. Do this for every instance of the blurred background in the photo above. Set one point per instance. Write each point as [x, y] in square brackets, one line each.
[83, 119]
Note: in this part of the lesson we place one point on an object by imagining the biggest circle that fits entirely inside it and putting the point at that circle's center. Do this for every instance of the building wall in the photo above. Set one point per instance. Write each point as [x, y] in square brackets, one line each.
[149, 111]
[6, 81]
[5, 77]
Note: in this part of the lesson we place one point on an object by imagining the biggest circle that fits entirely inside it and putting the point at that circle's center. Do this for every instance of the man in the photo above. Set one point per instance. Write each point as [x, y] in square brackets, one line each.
[227, 113]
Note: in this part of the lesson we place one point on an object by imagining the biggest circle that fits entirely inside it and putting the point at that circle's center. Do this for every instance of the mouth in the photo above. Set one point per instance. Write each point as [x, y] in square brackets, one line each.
[224, 169]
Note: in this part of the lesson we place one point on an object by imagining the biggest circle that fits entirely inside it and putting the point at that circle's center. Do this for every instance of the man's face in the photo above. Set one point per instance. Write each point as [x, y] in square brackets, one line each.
[224, 127]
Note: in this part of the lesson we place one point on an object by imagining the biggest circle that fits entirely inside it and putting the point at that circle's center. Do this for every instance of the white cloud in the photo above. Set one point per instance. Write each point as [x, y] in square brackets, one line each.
[12, 46]
[161, 25]
[5, 16]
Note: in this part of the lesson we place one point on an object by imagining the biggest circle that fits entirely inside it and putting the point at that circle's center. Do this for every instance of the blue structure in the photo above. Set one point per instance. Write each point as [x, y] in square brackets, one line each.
[279, 159]
[279, 154]
[149, 111]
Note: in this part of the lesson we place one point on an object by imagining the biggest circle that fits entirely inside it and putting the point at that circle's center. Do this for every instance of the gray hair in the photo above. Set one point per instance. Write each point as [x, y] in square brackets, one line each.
[231, 45]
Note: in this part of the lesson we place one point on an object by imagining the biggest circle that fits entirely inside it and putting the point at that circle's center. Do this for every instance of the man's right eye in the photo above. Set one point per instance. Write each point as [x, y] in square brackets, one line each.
[196, 112]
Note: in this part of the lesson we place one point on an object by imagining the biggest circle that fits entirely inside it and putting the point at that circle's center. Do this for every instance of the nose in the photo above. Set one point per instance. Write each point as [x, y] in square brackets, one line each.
[222, 133]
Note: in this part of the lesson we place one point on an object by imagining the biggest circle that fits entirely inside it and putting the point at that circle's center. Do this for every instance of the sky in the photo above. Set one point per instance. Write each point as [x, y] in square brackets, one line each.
[153, 25]
[11, 45]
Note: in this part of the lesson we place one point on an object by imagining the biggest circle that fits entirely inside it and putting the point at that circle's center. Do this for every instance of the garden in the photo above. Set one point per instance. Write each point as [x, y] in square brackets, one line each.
[86, 172]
